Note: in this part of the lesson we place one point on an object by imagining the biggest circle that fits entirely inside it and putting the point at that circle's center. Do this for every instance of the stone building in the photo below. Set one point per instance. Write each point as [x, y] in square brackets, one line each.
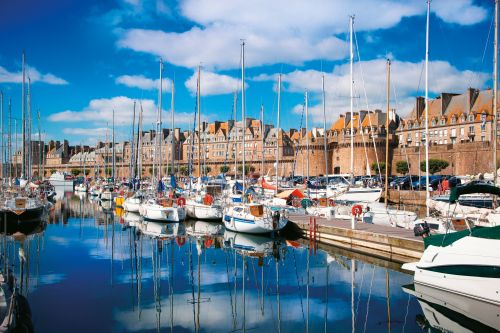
[460, 132]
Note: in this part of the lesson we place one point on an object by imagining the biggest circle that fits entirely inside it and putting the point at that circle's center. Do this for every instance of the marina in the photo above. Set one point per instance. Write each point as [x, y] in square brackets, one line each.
[210, 167]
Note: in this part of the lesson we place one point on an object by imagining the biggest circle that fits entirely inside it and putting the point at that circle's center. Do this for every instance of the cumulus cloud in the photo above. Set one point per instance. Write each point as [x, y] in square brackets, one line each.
[406, 81]
[7, 76]
[213, 83]
[280, 31]
[100, 111]
[142, 82]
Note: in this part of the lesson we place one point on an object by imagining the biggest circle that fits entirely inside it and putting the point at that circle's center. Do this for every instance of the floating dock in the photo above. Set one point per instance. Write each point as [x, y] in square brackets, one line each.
[390, 243]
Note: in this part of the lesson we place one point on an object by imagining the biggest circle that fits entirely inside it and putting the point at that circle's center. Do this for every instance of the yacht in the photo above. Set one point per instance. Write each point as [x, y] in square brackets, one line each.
[59, 179]
[163, 210]
[22, 209]
[204, 208]
[254, 218]
[131, 204]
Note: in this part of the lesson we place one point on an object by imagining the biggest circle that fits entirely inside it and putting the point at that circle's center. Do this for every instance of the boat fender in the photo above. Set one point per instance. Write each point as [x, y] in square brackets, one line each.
[331, 202]
[208, 199]
[357, 210]
[181, 202]
[180, 241]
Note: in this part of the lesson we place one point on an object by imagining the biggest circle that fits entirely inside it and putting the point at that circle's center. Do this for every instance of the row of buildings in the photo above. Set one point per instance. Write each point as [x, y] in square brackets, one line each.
[460, 132]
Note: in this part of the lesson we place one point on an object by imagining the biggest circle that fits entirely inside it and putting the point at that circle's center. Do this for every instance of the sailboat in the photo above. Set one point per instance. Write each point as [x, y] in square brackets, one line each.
[201, 205]
[162, 209]
[247, 216]
[21, 207]
[132, 203]
[466, 263]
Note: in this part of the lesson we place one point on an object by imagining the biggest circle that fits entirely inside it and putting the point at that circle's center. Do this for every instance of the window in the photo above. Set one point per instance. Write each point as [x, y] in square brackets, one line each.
[453, 120]
[471, 129]
[462, 131]
[445, 133]
[483, 138]
[471, 117]
[443, 121]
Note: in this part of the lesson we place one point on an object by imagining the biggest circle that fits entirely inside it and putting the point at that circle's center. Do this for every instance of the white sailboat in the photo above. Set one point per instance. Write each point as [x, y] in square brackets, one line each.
[251, 217]
[202, 205]
[162, 209]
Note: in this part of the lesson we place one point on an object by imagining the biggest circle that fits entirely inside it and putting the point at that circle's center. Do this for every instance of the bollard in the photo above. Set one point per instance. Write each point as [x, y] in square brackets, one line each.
[353, 222]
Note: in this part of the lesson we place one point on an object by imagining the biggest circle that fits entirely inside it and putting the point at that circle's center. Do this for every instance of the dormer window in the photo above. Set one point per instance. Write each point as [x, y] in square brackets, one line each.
[471, 117]
[433, 122]
[443, 121]
[453, 120]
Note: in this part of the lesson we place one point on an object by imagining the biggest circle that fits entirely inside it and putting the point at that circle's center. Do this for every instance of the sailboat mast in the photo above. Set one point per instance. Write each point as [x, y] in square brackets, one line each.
[2, 148]
[159, 133]
[243, 123]
[23, 107]
[495, 96]
[113, 152]
[278, 133]
[28, 134]
[9, 142]
[132, 147]
[387, 131]
[235, 134]
[427, 194]
[199, 119]
[351, 62]
[138, 160]
[306, 97]
[172, 157]
[325, 139]
[40, 153]
[262, 129]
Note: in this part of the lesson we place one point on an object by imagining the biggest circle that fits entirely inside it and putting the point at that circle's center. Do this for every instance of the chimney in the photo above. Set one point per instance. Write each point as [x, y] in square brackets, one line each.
[177, 133]
[419, 106]
[470, 98]
[445, 101]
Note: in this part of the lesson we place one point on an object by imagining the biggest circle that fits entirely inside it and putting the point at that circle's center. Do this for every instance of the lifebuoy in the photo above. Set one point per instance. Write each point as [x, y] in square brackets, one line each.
[180, 241]
[331, 202]
[357, 210]
[181, 202]
[208, 199]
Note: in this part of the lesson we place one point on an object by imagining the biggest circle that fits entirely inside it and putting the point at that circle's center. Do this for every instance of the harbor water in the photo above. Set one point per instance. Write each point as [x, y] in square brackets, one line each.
[96, 269]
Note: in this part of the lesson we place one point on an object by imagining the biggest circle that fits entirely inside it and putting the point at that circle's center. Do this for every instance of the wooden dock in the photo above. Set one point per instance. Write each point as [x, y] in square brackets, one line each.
[395, 244]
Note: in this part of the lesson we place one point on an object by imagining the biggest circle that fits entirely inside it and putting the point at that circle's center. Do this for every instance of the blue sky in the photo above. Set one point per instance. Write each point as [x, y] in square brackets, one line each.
[87, 58]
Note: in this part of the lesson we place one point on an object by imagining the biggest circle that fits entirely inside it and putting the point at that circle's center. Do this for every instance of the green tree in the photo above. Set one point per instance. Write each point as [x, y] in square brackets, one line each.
[402, 167]
[109, 171]
[435, 165]
[184, 170]
[150, 170]
[248, 169]
[75, 172]
[87, 172]
[52, 171]
[375, 167]
[224, 169]
[208, 169]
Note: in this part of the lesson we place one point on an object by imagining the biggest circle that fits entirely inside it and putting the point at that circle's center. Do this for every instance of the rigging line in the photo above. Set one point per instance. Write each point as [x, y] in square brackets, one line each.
[360, 287]
[298, 286]
[360, 128]
[366, 97]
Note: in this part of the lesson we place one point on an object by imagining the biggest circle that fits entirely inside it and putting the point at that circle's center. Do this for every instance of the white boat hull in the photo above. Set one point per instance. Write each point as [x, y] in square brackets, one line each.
[248, 223]
[203, 212]
[466, 267]
[160, 213]
[360, 194]
[132, 205]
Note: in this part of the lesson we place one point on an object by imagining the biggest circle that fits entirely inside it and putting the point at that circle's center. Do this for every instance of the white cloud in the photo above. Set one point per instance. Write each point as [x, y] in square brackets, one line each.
[406, 79]
[462, 12]
[142, 82]
[213, 83]
[7, 76]
[100, 112]
[279, 31]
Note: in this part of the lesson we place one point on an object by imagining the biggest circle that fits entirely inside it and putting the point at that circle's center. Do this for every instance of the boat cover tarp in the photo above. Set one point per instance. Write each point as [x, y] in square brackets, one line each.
[290, 193]
[456, 192]
[447, 239]
[314, 186]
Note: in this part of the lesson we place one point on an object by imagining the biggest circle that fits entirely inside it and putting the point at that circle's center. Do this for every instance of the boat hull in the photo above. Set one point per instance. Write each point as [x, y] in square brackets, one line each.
[159, 213]
[203, 212]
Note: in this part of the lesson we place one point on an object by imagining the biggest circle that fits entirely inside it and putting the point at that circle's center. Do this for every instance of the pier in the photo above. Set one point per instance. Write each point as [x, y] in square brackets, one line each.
[395, 244]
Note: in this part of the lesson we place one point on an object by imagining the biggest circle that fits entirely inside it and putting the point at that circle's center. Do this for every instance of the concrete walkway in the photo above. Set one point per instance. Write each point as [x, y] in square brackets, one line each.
[396, 244]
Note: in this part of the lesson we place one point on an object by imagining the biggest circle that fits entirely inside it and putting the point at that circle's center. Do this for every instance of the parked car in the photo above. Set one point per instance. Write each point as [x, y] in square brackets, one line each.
[405, 182]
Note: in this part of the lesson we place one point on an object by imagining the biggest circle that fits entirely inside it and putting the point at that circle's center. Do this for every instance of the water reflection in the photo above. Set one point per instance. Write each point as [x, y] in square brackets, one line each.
[106, 270]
